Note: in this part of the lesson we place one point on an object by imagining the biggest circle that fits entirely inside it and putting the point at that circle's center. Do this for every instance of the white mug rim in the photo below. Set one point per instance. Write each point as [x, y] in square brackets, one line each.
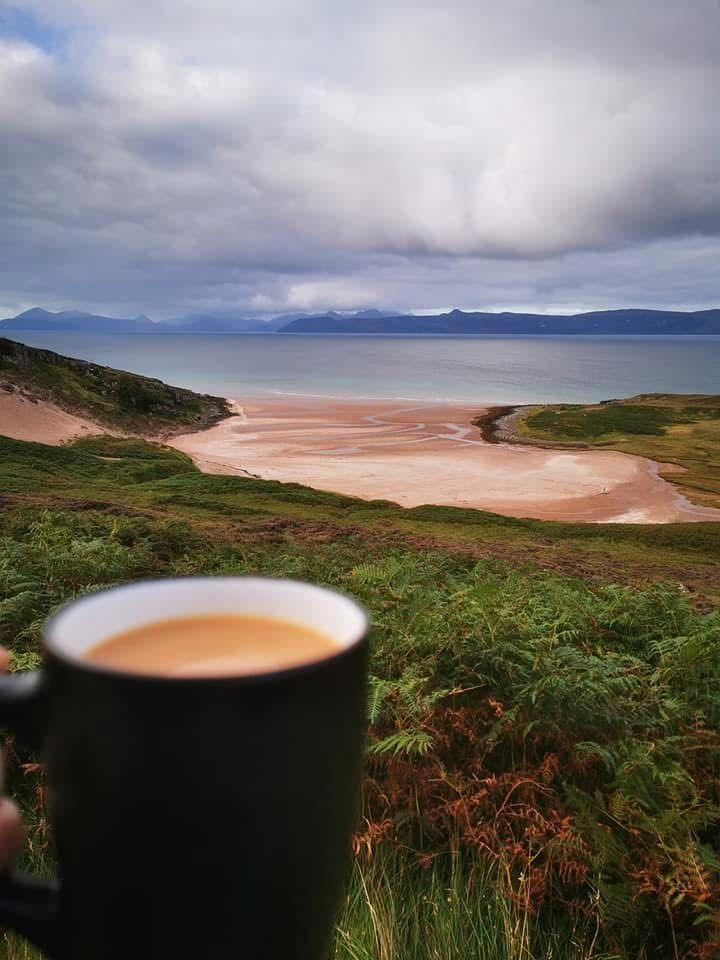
[66, 633]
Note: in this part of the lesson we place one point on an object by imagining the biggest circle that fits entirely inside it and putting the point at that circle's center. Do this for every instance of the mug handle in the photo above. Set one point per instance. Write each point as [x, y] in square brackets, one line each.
[29, 905]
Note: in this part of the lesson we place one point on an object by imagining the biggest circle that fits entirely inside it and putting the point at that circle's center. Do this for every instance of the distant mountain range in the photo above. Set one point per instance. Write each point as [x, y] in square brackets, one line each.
[460, 322]
[456, 322]
[76, 321]
[39, 319]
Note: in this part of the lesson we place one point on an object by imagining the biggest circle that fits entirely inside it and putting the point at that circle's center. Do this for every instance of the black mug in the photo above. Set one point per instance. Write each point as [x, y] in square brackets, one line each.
[193, 817]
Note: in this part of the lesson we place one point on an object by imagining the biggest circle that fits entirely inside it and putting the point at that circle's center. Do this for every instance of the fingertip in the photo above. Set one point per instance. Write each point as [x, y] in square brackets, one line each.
[4, 660]
[12, 833]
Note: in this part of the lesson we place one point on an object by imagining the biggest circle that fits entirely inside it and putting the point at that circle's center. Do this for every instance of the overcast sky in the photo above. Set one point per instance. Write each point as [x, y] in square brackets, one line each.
[179, 156]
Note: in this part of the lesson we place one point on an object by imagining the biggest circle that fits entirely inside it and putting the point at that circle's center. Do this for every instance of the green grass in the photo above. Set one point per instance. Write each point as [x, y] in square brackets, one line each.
[112, 397]
[455, 907]
[161, 482]
[676, 429]
[544, 699]
[595, 423]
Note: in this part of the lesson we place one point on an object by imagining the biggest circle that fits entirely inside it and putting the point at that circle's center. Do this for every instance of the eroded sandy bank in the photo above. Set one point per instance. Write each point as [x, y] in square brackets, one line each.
[24, 419]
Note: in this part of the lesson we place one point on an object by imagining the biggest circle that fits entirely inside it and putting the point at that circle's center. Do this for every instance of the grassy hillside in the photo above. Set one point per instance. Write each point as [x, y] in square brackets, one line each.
[543, 757]
[677, 429]
[112, 397]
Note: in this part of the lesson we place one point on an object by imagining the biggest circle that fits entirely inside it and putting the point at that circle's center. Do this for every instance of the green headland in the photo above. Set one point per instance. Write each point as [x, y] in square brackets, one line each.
[114, 398]
[681, 431]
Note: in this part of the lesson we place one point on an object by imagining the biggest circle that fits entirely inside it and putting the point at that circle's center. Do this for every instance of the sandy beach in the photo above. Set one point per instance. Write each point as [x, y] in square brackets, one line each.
[409, 452]
[430, 453]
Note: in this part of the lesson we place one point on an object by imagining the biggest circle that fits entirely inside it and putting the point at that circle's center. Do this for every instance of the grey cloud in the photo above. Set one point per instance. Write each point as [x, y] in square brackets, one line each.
[186, 155]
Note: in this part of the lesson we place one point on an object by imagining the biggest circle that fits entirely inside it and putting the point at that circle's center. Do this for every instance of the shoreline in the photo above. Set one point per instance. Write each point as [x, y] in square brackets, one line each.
[497, 426]
[422, 452]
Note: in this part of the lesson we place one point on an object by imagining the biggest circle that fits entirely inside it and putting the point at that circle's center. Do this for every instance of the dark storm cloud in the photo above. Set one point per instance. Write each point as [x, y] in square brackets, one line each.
[173, 155]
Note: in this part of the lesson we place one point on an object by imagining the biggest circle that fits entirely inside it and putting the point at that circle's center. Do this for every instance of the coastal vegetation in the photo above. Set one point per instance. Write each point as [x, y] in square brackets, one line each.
[111, 397]
[681, 430]
[543, 754]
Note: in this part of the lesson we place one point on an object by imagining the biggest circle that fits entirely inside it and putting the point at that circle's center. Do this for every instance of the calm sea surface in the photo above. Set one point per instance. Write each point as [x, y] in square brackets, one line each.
[495, 369]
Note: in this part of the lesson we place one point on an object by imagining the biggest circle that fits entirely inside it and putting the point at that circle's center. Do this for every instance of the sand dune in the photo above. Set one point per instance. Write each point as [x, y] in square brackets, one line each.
[415, 453]
[24, 419]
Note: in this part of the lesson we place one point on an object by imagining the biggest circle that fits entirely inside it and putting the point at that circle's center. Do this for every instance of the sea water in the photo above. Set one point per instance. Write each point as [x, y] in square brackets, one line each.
[494, 369]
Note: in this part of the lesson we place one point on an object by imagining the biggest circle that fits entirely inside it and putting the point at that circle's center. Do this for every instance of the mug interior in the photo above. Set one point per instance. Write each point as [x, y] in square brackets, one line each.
[86, 622]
